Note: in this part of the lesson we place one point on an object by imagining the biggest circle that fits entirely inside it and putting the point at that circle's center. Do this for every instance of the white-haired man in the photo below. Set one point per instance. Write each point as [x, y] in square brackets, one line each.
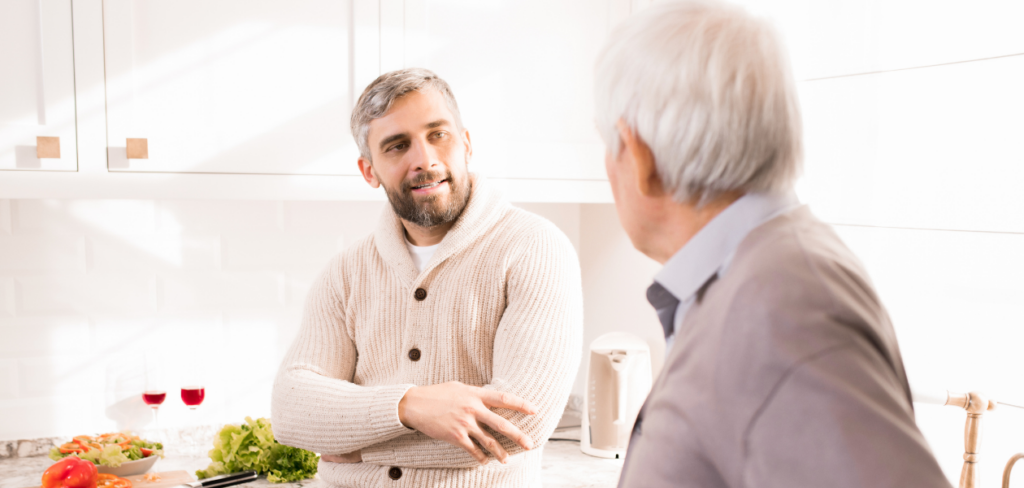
[458, 303]
[783, 368]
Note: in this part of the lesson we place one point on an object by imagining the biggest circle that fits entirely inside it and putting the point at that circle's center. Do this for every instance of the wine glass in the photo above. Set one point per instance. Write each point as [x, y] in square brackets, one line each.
[155, 391]
[193, 396]
[154, 398]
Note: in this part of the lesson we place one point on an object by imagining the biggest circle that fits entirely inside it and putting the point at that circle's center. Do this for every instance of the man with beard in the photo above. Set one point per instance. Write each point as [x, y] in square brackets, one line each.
[441, 349]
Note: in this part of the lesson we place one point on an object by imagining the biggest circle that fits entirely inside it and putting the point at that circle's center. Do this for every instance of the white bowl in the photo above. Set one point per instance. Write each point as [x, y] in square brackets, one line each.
[130, 468]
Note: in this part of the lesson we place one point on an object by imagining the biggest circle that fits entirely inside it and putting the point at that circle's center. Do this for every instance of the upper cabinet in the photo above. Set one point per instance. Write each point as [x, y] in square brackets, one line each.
[236, 86]
[37, 88]
[522, 73]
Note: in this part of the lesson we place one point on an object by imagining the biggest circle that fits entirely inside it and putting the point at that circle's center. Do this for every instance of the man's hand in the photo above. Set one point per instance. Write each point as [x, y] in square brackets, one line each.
[453, 412]
[352, 457]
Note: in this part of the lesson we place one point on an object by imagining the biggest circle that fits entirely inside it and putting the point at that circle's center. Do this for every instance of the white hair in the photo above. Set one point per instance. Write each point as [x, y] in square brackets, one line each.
[708, 88]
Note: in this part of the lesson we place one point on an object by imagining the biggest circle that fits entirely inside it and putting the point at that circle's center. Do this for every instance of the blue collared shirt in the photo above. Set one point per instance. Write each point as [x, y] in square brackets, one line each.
[709, 252]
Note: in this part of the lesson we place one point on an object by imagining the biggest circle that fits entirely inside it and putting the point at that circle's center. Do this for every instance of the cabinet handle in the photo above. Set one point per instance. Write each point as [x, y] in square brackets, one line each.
[137, 149]
[48, 147]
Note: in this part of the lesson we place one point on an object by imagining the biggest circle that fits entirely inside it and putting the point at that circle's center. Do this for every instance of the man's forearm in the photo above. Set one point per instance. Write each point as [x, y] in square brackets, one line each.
[418, 451]
[333, 416]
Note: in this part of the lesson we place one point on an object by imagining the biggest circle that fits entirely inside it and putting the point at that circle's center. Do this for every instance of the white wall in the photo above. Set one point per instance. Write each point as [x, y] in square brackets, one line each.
[615, 281]
[88, 286]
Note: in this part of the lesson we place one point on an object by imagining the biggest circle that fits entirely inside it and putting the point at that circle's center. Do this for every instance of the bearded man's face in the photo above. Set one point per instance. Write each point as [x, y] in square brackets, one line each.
[420, 158]
[432, 198]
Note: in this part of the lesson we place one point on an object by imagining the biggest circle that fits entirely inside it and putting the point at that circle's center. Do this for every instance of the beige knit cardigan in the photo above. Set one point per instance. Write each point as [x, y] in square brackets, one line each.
[503, 309]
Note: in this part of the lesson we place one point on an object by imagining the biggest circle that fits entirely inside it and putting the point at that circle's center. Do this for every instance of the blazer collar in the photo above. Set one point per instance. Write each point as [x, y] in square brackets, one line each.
[709, 252]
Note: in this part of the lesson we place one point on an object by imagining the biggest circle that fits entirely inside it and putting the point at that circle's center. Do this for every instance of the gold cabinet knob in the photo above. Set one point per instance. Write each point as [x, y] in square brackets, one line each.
[137, 149]
[48, 147]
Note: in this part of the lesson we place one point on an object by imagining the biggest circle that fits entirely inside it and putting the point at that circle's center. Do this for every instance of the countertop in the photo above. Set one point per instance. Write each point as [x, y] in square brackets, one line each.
[564, 466]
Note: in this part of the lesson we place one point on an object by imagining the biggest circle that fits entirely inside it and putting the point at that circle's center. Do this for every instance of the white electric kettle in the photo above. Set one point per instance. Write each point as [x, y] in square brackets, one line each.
[618, 380]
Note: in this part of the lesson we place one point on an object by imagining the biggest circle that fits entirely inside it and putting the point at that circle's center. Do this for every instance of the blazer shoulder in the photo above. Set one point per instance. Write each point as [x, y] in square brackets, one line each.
[797, 252]
[794, 284]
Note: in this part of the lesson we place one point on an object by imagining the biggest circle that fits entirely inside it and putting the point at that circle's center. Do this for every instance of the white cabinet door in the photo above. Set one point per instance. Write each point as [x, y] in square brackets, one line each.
[37, 86]
[522, 72]
[236, 86]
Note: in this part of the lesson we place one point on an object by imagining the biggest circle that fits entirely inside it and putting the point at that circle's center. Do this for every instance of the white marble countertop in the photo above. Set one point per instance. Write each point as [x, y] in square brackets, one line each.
[564, 466]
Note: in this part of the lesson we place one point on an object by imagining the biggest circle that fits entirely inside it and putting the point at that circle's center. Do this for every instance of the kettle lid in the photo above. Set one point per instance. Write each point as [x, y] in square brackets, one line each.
[619, 341]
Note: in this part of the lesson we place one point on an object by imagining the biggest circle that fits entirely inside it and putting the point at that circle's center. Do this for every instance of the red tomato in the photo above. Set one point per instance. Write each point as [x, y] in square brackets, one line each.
[146, 452]
[70, 472]
[69, 448]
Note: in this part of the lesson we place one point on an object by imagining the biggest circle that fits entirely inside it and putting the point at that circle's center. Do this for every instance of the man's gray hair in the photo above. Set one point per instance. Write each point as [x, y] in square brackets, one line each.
[379, 96]
[709, 88]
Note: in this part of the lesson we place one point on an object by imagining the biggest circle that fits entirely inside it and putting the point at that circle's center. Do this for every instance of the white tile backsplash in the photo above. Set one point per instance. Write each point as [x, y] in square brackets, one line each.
[79, 373]
[262, 252]
[216, 291]
[43, 336]
[351, 219]
[217, 217]
[98, 217]
[128, 292]
[5, 216]
[8, 379]
[157, 252]
[6, 297]
[40, 254]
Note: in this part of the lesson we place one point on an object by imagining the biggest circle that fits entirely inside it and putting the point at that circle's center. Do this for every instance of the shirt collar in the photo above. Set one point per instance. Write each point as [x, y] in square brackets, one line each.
[709, 251]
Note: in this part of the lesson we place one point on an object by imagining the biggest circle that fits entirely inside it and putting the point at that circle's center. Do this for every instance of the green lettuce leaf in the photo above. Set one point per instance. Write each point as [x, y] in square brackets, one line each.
[251, 446]
[111, 456]
[56, 455]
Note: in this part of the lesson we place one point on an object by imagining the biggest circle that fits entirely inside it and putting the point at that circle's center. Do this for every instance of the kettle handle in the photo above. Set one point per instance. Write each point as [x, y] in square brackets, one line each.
[619, 362]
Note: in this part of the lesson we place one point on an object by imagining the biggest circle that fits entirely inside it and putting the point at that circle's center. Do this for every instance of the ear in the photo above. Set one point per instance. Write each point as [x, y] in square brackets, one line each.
[647, 180]
[366, 168]
[469, 145]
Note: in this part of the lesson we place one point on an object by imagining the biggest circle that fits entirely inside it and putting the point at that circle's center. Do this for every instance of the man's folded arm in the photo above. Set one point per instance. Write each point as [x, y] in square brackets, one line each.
[315, 404]
[839, 419]
[536, 355]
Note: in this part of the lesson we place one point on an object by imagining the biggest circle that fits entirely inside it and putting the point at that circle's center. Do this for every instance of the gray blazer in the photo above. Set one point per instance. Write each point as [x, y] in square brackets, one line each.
[784, 373]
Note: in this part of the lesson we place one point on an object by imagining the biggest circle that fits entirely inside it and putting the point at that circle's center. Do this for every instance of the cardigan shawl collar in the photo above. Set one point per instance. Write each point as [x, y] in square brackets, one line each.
[485, 207]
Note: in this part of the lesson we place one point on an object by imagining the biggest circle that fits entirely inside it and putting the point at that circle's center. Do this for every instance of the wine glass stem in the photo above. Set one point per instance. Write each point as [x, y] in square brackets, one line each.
[194, 445]
[155, 430]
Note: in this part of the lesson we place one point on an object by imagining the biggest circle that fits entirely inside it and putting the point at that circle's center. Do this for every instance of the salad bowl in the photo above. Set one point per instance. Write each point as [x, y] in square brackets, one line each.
[117, 453]
[130, 468]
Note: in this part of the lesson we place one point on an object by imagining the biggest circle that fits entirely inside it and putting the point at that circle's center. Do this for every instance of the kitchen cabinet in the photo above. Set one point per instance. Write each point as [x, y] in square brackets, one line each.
[250, 99]
[522, 73]
[236, 86]
[37, 89]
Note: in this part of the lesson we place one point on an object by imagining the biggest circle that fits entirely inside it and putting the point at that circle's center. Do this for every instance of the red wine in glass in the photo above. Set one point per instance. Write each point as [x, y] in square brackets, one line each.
[193, 396]
[154, 398]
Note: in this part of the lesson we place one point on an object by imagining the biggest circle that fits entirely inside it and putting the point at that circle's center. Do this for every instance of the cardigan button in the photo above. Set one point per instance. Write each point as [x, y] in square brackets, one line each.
[420, 294]
[414, 354]
[395, 473]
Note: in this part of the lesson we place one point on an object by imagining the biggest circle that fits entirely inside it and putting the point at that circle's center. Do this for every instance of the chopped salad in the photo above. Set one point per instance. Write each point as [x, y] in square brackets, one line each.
[111, 449]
